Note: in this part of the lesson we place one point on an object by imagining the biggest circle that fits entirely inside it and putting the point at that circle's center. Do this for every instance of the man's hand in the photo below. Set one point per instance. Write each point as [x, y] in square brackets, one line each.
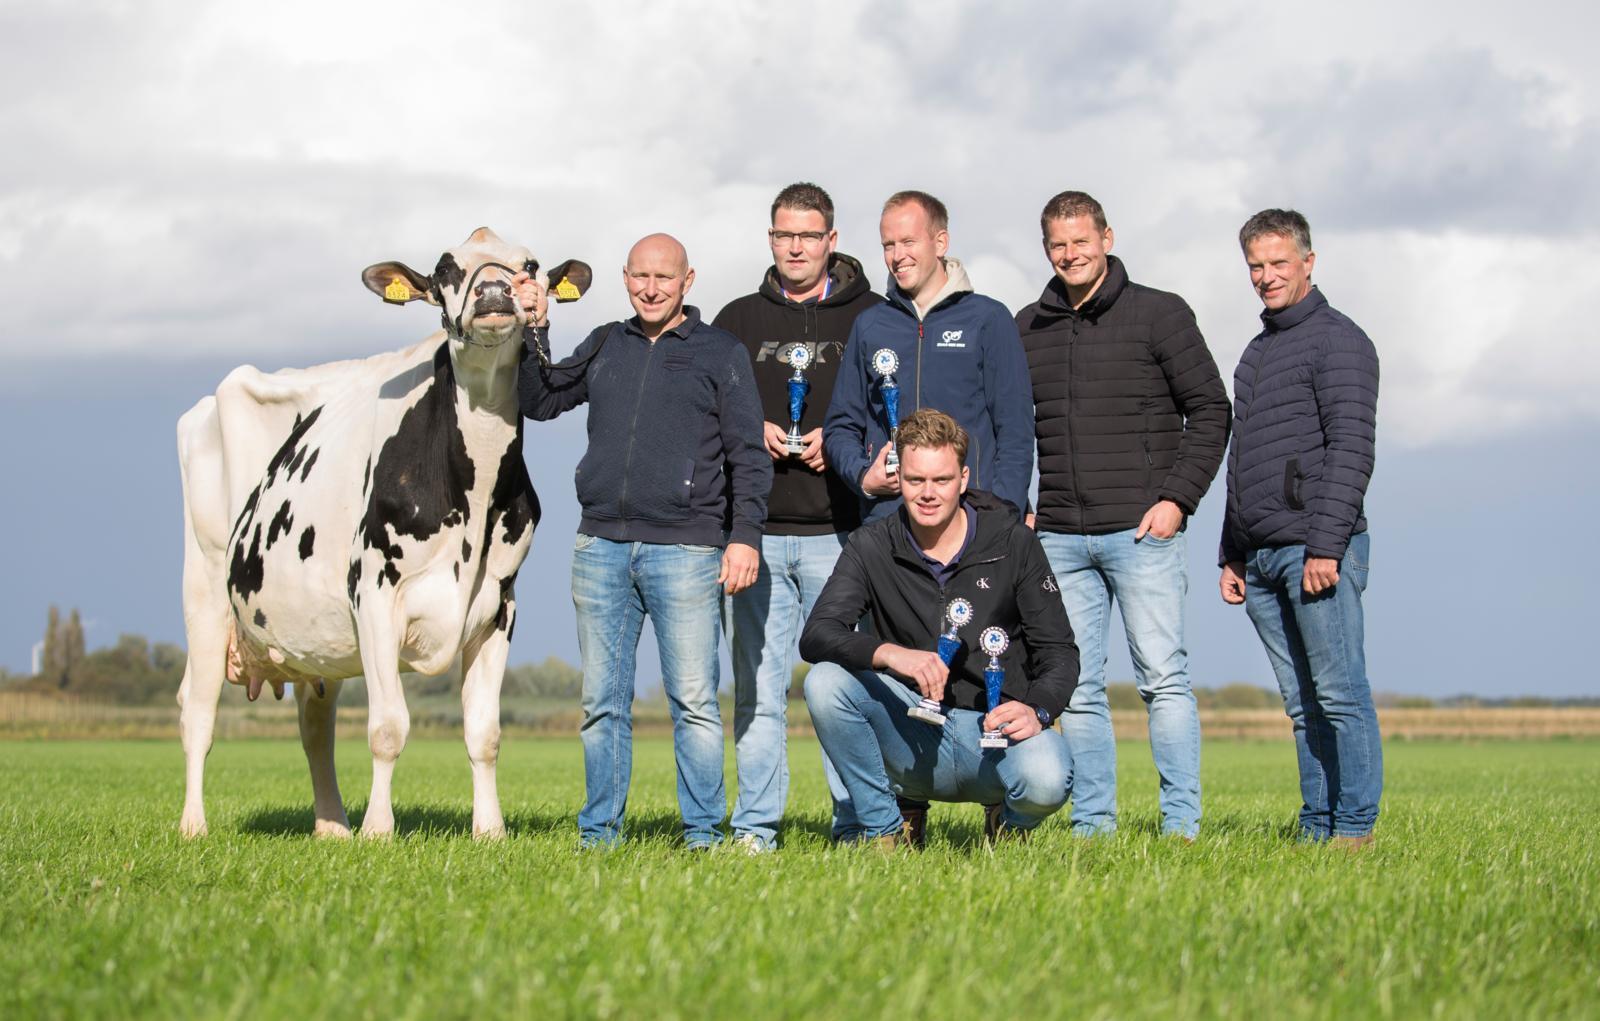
[1161, 521]
[877, 482]
[776, 439]
[1232, 583]
[924, 669]
[1028, 519]
[740, 563]
[531, 295]
[1015, 720]
[812, 457]
[1321, 574]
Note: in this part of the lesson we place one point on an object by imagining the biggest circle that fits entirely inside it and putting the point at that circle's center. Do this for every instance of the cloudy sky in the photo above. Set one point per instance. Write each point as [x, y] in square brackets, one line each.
[185, 187]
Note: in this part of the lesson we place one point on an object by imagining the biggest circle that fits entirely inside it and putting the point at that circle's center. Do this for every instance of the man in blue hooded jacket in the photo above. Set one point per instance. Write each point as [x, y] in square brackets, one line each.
[957, 351]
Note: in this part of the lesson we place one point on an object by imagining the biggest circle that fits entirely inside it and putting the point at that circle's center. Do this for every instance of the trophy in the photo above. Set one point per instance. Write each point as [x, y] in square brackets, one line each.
[957, 613]
[994, 641]
[884, 363]
[799, 356]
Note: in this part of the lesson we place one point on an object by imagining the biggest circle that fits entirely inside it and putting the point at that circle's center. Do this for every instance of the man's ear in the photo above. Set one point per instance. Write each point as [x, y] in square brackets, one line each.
[966, 475]
[397, 283]
[569, 281]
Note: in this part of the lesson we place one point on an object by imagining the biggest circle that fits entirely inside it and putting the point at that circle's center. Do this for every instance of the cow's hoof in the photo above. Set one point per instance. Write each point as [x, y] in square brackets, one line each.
[495, 832]
[192, 826]
[331, 829]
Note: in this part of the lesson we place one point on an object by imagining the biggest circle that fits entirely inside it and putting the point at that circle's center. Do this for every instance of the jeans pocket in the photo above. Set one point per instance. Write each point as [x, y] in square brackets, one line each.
[582, 542]
[694, 547]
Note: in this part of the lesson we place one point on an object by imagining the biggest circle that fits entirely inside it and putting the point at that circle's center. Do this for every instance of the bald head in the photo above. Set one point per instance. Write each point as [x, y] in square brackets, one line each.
[658, 277]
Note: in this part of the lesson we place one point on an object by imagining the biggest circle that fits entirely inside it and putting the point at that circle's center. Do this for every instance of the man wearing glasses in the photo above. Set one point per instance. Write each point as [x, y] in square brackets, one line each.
[807, 301]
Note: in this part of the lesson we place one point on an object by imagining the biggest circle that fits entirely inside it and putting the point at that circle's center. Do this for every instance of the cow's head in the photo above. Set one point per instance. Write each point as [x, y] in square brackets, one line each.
[471, 285]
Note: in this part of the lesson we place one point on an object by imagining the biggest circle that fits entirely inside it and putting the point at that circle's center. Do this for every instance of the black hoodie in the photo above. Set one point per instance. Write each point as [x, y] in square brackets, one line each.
[1003, 573]
[803, 502]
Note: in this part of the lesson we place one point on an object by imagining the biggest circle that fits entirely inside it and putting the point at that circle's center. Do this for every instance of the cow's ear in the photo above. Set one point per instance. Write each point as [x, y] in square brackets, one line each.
[397, 283]
[570, 280]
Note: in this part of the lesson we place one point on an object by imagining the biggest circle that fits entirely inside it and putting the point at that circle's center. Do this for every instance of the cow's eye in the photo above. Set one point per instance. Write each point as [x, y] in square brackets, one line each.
[531, 267]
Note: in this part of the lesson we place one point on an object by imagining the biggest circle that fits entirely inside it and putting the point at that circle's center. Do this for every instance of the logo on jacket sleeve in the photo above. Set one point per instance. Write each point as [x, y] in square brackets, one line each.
[1049, 584]
[951, 338]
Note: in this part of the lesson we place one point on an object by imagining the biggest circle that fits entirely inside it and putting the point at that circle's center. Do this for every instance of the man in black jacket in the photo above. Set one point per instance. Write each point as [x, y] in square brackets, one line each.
[1132, 421]
[1294, 534]
[808, 299]
[674, 491]
[902, 571]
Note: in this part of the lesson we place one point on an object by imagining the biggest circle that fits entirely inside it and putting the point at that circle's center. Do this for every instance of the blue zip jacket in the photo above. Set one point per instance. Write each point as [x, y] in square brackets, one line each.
[964, 358]
[1305, 408]
[675, 452]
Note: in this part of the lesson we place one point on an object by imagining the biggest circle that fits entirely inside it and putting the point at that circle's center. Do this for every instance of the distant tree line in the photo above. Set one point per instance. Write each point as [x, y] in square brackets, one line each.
[135, 671]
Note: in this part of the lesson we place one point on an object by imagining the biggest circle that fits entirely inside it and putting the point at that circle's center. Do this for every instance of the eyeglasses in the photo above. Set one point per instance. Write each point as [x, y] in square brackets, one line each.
[809, 238]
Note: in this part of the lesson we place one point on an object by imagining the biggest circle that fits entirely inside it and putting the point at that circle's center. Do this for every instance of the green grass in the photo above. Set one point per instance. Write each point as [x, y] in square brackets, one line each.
[1481, 898]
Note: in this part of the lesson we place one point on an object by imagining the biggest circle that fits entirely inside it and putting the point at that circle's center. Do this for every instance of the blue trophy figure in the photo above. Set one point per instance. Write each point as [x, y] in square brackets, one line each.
[957, 613]
[799, 356]
[884, 363]
[994, 641]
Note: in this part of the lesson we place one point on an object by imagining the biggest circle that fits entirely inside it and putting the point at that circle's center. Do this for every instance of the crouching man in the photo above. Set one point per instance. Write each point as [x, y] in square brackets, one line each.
[903, 571]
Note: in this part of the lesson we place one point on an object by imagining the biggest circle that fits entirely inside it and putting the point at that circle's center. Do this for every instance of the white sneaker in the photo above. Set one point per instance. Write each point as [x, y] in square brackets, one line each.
[752, 845]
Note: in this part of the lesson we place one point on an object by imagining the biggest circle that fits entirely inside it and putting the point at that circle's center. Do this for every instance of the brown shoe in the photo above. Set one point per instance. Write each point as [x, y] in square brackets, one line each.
[1352, 845]
[996, 829]
[915, 828]
[898, 842]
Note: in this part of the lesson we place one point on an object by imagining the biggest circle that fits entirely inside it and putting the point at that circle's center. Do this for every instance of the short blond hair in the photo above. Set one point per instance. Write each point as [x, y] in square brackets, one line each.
[930, 429]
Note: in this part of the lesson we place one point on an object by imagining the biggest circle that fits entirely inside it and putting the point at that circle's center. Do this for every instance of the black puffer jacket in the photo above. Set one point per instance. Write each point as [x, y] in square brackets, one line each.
[1305, 422]
[1128, 405]
[1003, 573]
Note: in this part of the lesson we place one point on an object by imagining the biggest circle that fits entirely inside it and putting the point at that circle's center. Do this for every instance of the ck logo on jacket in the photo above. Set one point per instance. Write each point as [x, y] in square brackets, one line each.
[951, 338]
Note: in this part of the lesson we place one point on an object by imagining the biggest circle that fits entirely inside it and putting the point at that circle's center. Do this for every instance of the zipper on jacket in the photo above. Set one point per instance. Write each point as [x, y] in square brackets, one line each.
[919, 365]
[633, 429]
[1072, 434]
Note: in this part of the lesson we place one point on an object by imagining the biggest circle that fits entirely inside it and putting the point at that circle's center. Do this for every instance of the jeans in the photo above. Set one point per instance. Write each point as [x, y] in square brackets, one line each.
[614, 586]
[1315, 644]
[1149, 580]
[881, 754]
[764, 623]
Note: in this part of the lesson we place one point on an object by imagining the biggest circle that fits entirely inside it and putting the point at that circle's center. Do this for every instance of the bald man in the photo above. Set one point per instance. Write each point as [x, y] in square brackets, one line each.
[674, 492]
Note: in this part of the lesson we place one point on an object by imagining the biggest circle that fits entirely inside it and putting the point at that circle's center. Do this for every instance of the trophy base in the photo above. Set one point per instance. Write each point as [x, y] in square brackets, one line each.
[891, 467]
[928, 711]
[796, 446]
[994, 739]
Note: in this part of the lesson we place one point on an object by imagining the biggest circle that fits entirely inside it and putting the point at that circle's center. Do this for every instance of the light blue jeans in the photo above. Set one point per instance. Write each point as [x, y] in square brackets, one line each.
[614, 586]
[881, 754]
[1148, 580]
[1317, 648]
[763, 624]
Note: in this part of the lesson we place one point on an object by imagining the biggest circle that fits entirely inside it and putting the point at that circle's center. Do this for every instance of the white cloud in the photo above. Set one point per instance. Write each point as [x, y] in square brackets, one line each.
[204, 177]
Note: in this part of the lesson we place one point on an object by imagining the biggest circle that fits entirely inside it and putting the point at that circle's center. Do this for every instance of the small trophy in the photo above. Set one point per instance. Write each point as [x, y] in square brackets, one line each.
[799, 357]
[994, 641]
[884, 363]
[957, 613]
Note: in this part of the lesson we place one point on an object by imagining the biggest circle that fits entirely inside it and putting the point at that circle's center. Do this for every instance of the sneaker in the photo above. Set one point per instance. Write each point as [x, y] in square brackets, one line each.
[751, 844]
[1352, 845]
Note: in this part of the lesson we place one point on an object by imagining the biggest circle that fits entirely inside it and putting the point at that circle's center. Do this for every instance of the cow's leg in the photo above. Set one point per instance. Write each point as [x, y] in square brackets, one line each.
[316, 737]
[197, 715]
[388, 720]
[484, 667]
[206, 616]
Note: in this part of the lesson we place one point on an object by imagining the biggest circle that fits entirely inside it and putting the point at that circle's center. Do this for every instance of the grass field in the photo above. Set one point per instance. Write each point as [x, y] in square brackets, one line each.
[1481, 898]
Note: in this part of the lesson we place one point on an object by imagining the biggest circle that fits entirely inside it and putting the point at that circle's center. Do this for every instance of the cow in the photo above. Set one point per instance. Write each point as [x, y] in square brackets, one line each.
[366, 517]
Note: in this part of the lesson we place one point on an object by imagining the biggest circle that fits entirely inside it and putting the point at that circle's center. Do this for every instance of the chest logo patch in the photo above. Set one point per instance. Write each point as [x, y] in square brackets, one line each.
[983, 583]
[951, 338]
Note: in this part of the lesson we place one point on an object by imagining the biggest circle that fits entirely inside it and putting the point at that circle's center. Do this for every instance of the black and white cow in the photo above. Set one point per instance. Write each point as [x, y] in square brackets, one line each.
[366, 517]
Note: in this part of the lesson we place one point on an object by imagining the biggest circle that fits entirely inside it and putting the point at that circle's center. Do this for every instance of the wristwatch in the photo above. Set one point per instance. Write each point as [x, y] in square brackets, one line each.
[1043, 716]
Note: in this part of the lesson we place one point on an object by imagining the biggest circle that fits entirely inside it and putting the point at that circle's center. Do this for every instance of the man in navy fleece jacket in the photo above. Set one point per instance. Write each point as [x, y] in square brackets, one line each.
[674, 472]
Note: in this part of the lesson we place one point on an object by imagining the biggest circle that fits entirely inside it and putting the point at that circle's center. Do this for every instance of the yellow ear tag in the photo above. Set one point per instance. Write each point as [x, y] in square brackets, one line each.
[567, 290]
[397, 291]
